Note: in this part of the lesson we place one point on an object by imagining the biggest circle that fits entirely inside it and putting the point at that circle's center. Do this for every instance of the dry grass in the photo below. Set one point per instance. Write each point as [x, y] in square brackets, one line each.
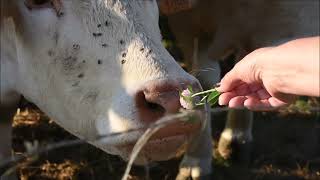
[66, 170]
[291, 151]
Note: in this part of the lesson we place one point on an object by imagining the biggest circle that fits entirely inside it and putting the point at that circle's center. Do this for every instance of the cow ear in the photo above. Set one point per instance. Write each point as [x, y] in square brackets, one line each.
[37, 4]
[168, 7]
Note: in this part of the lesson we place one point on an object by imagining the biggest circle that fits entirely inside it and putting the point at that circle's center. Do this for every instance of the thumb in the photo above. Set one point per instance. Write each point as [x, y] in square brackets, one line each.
[243, 72]
[229, 82]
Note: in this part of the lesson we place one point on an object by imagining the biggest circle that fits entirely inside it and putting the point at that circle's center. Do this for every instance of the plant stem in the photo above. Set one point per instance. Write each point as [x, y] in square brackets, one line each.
[203, 92]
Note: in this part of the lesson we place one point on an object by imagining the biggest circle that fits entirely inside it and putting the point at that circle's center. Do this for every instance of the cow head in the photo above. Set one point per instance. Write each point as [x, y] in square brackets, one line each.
[99, 68]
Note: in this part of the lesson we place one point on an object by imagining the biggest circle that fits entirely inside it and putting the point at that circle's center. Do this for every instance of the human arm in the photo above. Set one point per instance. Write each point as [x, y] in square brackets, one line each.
[273, 76]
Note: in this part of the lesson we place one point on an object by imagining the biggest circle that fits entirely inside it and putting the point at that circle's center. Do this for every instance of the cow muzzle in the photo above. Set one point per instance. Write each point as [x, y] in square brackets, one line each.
[154, 100]
[159, 98]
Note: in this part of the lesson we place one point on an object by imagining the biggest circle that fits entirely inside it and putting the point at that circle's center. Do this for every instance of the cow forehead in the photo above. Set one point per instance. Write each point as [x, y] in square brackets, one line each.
[141, 15]
[131, 10]
[101, 4]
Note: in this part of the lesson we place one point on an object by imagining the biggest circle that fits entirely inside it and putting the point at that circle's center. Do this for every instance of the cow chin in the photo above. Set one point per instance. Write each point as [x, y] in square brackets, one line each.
[156, 150]
[166, 143]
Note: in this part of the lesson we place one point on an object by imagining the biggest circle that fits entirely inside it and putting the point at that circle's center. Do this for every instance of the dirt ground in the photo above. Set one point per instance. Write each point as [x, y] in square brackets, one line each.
[286, 147]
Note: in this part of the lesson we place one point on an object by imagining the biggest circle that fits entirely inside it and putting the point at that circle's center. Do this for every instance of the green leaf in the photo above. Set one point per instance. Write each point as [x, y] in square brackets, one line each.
[213, 102]
[213, 95]
[213, 98]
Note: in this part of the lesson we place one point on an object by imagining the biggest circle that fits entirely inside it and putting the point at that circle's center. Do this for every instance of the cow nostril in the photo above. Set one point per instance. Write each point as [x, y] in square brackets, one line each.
[158, 98]
[154, 107]
[148, 111]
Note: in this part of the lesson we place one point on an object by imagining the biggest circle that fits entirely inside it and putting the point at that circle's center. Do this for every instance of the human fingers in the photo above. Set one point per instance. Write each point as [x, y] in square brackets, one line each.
[242, 89]
[274, 102]
[255, 87]
[256, 104]
[237, 102]
[229, 82]
[263, 94]
[262, 101]
[224, 98]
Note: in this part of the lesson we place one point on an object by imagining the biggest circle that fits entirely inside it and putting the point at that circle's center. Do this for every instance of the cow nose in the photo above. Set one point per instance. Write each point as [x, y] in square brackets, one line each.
[158, 98]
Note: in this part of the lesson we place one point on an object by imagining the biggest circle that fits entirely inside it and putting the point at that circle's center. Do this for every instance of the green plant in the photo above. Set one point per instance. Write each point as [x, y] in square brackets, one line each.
[189, 99]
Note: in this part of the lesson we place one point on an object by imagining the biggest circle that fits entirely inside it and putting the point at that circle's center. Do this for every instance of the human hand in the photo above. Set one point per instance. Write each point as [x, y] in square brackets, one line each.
[247, 86]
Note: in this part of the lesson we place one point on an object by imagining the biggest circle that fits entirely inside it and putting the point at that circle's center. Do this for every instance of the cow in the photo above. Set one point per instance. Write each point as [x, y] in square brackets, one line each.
[98, 67]
[219, 29]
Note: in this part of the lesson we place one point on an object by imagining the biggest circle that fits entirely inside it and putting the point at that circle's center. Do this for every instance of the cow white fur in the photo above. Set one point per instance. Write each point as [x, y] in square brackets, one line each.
[85, 68]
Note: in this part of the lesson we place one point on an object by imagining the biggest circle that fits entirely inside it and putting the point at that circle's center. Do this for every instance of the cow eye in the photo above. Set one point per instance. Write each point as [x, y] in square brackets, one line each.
[40, 2]
[37, 3]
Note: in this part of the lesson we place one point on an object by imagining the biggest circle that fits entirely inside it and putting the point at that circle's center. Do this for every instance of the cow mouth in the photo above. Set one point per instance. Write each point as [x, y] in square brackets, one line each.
[167, 140]
[159, 149]
[174, 129]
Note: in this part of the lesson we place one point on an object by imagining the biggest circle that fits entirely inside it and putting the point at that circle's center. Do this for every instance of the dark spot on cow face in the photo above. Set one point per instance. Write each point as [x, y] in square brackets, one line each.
[70, 66]
[124, 55]
[142, 49]
[106, 23]
[81, 75]
[56, 38]
[76, 46]
[91, 96]
[149, 52]
[75, 84]
[123, 61]
[104, 45]
[97, 34]
[69, 63]
[121, 42]
[99, 61]
[50, 53]
[99, 25]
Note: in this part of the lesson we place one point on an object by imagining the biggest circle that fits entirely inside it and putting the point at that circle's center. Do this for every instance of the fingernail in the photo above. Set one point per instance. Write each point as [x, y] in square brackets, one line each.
[221, 103]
